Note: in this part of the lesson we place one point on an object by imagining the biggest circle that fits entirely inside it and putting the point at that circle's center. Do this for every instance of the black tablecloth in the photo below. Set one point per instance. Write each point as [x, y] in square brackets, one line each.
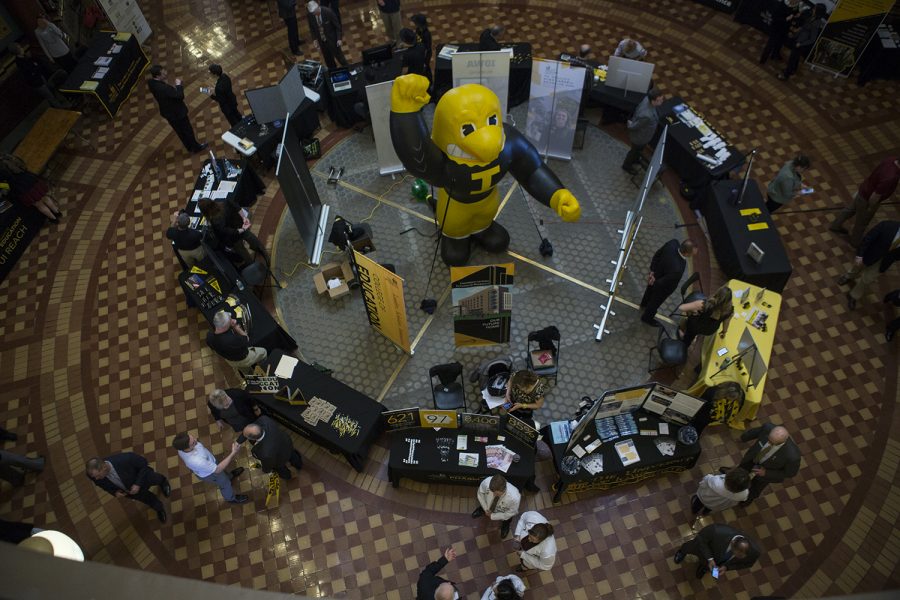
[756, 13]
[519, 71]
[340, 103]
[878, 62]
[349, 402]
[18, 226]
[432, 470]
[247, 186]
[603, 95]
[264, 330]
[682, 157]
[652, 464]
[304, 123]
[730, 237]
[125, 69]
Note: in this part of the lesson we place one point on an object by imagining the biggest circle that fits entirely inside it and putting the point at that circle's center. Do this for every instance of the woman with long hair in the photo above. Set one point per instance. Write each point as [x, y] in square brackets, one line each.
[707, 315]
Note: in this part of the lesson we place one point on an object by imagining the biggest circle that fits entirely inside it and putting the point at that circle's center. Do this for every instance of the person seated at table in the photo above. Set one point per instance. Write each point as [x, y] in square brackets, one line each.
[230, 225]
[414, 56]
[22, 186]
[721, 491]
[234, 407]
[788, 183]
[53, 43]
[537, 546]
[35, 74]
[629, 48]
[721, 403]
[705, 316]
[499, 500]
[525, 394]
[506, 587]
[231, 342]
[490, 38]
[186, 241]
[423, 37]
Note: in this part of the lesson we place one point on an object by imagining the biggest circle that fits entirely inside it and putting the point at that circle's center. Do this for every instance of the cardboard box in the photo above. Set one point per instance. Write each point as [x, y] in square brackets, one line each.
[330, 271]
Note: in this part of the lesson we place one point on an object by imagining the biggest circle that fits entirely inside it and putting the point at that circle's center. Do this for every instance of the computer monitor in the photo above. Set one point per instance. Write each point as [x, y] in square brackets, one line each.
[376, 55]
[266, 103]
[629, 75]
[291, 86]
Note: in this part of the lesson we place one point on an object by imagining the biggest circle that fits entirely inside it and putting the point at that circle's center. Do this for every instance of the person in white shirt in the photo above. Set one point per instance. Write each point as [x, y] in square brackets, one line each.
[632, 49]
[721, 491]
[53, 43]
[508, 587]
[537, 544]
[201, 461]
[499, 500]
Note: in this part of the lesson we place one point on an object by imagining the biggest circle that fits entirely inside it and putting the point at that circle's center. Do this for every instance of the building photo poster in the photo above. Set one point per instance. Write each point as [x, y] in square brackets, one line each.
[482, 304]
[847, 33]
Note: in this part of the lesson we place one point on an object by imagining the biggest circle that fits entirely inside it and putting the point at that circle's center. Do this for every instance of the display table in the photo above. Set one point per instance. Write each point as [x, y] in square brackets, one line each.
[209, 290]
[435, 467]
[757, 13]
[304, 123]
[881, 58]
[721, 352]
[350, 431]
[645, 420]
[340, 103]
[125, 69]
[683, 143]
[45, 137]
[247, 186]
[519, 71]
[731, 236]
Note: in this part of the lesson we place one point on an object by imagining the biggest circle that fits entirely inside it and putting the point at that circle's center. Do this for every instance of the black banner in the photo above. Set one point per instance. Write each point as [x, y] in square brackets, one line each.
[18, 226]
[728, 6]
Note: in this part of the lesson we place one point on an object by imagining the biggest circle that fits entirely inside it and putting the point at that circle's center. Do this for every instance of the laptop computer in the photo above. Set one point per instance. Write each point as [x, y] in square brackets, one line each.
[340, 80]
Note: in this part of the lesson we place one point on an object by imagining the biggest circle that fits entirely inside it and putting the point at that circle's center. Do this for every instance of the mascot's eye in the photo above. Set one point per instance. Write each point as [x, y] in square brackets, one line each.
[467, 129]
[492, 120]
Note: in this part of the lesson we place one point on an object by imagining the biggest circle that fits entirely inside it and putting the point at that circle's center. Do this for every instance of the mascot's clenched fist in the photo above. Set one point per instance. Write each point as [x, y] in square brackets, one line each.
[469, 151]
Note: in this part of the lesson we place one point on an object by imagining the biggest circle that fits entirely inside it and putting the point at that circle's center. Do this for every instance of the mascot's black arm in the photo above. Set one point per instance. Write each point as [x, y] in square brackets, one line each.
[413, 145]
[528, 168]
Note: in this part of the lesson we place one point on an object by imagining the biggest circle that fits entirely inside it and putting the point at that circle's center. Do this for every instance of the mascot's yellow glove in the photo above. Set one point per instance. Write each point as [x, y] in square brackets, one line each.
[565, 205]
[409, 94]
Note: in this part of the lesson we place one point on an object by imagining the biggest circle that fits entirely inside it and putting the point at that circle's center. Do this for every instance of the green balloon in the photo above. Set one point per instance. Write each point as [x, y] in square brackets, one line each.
[419, 190]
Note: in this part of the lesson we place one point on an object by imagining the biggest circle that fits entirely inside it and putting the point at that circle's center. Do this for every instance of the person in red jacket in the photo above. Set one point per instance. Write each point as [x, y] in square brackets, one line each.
[877, 187]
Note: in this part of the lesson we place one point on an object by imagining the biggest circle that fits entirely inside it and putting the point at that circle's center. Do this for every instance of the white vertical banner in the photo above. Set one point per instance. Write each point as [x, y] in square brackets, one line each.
[553, 107]
[490, 69]
[379, 96]
[126, 15]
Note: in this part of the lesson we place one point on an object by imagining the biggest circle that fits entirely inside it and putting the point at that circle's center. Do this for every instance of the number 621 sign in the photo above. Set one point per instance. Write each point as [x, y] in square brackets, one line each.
[439, 418]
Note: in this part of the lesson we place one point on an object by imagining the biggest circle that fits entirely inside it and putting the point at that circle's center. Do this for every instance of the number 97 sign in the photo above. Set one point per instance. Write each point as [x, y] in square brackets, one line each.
[439, 418]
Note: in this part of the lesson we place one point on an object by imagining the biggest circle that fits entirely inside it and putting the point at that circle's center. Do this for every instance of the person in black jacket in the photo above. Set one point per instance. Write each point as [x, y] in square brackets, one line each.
[233, 406]
[325, 29]
[784, 15]
[879, 249]
[128, 475]
[172, 107]
[414, 56]
[802, 44]
[666, 269]
[35, 75]
[273, 447]
[287, 10]
[186, 241]
[423, 38]
[489, 40]
[722, 547]
[772, 458]
[224, 95]
[432, 587]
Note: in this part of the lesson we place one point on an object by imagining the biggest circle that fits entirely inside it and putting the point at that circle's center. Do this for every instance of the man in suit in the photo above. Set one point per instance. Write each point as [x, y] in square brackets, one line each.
[666, 269]
[273, 447]
[432, 587]
[773, 457]
[224, 95]
[287, 10]
[128, 475]
[642, 127]
[170, 99]
[879, 249]
[325, 29]
[721, 547]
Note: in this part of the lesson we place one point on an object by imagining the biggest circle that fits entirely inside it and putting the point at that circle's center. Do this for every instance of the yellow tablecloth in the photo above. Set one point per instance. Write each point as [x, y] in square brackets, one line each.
[713, 357]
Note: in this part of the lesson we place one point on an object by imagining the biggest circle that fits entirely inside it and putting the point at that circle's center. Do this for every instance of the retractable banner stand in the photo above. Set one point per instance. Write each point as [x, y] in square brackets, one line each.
[379, 96]
[847, 33]
[126, 15]
[482, 304]
[382, 293]
[490, 69]
[553, 107]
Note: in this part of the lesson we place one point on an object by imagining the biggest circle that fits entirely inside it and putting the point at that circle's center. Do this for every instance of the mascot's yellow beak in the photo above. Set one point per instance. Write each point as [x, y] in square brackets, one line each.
[468, 124]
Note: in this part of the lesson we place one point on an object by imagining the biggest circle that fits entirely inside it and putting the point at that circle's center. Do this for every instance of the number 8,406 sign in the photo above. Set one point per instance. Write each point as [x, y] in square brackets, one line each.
[439, 418]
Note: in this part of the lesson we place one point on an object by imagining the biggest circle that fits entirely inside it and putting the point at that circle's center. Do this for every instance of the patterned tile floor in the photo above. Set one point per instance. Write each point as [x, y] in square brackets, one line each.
[100, 353]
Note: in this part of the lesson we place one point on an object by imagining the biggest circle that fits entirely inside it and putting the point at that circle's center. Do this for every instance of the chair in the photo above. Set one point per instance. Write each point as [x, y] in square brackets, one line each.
[543, 352]
[695, 278]
[672, 351]
[447, 388]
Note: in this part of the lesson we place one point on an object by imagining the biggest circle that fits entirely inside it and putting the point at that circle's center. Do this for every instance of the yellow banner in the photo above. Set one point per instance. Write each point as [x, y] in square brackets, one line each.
[847, 10]
[382, 292]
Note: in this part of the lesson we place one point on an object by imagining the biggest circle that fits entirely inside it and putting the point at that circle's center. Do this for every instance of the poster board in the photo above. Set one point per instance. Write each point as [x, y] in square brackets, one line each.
[438, 418]
[478, 423]
[379, 97]
[520, 430]
[490, 69]
[482, 304]
[126, 15]
[404, 418]
[555, 99]
[382, 293]
[849, 29]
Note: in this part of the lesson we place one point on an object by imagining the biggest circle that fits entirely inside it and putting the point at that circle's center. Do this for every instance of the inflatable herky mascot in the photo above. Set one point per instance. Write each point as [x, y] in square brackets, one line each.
[469, 152]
